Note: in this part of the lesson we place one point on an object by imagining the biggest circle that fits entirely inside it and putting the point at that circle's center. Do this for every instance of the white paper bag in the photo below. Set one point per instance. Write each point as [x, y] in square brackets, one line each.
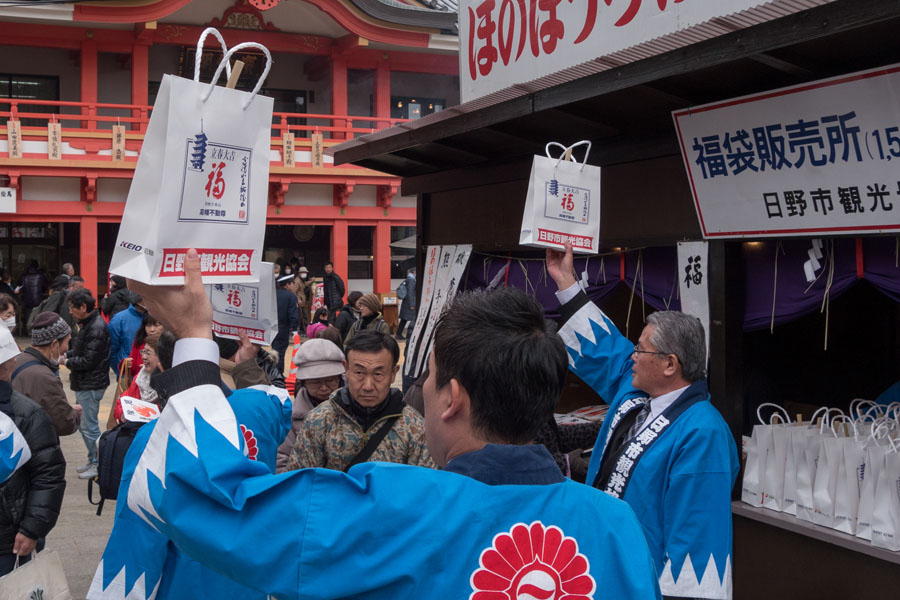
[201, 181]
[806, 473]
[563, 203]
[40, 578]
[246, 307]
[825, 485]
[776, 463]
[759, 451]
[849, 480]
[886, 509]
[875, 454]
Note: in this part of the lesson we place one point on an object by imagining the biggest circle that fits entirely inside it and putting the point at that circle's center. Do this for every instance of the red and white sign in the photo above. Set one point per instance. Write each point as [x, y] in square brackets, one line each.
[245, 307]
[213, 261]
[809, 159]
[137, 410]
[507, 42]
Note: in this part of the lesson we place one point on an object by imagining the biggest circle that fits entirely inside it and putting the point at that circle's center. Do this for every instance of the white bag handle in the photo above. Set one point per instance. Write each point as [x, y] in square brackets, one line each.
[199, 53]
[844, 419]
[770, 404]
[894, 447]
[882, 431]
[566, 151]
[856, 407]
[227, 58]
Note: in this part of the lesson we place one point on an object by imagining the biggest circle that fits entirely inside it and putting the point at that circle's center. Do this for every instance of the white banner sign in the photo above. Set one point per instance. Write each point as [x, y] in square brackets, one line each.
[444, 266]
[819, 157]
[693, 283]
[506, 42]
[246, 307]
[7, 200]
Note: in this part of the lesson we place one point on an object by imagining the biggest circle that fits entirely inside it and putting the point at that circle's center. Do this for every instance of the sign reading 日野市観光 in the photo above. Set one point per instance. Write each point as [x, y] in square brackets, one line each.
[822, 157]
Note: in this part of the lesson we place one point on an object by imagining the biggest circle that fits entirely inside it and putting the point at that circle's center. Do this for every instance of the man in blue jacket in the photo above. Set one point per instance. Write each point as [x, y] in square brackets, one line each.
[122, 329]
[499, 521]
[663, 447]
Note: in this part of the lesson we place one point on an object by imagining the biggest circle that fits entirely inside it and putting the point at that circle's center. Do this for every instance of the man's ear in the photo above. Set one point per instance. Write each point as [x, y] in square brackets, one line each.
[394, 371]
[458, 401]
[673, 366]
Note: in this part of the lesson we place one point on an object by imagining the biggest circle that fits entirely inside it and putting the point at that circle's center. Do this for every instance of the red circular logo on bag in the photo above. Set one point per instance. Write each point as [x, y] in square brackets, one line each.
[532, 562]
[250, 442]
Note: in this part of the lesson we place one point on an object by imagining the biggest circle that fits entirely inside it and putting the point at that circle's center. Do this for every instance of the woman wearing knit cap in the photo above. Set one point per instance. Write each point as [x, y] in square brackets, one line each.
[369, 317]
[320, 371]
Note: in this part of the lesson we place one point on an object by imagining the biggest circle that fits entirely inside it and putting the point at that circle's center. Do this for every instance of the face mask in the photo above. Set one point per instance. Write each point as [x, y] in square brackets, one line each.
[302, 275]
[10, 323]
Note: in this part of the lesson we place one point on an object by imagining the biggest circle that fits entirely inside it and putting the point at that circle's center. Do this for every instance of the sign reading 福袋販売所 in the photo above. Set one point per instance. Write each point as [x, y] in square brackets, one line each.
[814, 158]
[507, 42]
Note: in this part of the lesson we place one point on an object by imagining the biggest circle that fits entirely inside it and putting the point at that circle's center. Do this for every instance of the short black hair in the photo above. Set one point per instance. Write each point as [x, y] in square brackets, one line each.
[76, 279]
[352, 297]
[119, 281]
[82, 297]
[60, 282]
[329, 263]
[372, 342]
[165, 349]
[499, 347]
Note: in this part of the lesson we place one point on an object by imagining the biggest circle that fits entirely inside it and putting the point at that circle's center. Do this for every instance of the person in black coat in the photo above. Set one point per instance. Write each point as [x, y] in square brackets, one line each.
[119, 298]
[288, 315]
[408, 305]
[333, 288]
[34, 284]
[349, 314]
[88, 362]
[31, 497]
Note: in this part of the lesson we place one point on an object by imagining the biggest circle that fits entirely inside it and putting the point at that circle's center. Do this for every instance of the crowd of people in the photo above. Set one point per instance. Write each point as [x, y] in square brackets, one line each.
[465, 485]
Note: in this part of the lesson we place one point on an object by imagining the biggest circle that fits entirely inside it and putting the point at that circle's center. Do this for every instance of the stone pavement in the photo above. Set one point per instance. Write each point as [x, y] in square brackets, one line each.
[80, 535]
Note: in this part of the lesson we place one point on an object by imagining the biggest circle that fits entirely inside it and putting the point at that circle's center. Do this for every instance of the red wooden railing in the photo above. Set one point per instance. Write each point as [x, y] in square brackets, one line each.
[91, 118]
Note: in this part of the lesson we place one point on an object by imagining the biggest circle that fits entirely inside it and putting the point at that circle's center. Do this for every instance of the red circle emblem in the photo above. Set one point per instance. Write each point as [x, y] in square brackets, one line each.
[532, 562]
[249, 442]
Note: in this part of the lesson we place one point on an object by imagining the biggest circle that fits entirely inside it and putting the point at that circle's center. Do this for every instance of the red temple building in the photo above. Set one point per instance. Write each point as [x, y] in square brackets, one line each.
[341, 68]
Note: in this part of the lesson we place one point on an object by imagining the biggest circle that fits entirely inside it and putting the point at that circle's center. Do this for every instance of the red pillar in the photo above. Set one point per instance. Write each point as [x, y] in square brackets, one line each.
[88, 267]
[382, 243]
[383, 93]
[339, 93]
[339, 244]
[140, 74]
[89, 79]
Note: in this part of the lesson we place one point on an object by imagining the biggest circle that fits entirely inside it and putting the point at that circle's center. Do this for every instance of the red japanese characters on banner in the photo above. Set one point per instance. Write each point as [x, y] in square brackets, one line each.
[506, 42]
[212, 262]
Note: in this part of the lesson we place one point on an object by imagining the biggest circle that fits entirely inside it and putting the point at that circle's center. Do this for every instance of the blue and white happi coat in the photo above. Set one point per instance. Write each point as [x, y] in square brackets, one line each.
[381, 531]
[676, 474]
[139, 562]
[14, 450]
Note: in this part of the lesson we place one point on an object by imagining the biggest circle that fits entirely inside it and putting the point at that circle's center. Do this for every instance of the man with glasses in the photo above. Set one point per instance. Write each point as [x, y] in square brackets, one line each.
[663, 447]
[366, 420]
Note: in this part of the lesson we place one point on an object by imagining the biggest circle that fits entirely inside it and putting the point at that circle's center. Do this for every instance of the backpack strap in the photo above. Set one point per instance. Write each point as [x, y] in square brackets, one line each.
[21, 368]
[373, 442]
[99, 503]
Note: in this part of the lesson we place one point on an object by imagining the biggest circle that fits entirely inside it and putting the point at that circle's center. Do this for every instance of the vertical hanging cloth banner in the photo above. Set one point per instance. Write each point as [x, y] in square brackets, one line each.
[563, 202]
[247, 307]
[14, 138]
[444, 266]
[693, 283]
[201, 182]
[54, 151]
[118, 143]
[287, 145]
[318, 149]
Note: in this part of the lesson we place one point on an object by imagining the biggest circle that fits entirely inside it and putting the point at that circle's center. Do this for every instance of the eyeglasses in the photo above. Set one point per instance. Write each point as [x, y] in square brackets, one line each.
[637, 350]
[329, 382]
[147, 352]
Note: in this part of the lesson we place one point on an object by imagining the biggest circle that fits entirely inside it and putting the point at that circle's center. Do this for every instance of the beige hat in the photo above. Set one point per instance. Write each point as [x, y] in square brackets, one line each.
[318, 358]
[8, 348]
